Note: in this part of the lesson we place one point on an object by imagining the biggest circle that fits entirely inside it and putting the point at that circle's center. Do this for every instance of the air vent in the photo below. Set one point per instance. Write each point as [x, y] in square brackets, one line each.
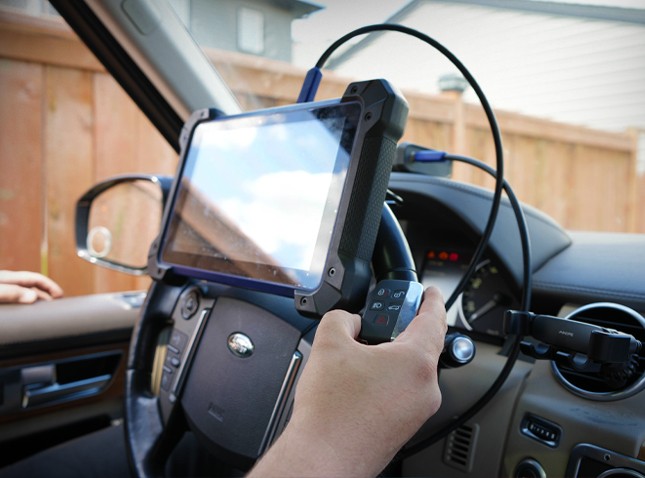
[610, 384]
[460, 447]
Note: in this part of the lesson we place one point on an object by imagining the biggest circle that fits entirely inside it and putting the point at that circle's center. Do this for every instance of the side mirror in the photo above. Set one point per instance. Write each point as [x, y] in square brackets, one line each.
[117, 220]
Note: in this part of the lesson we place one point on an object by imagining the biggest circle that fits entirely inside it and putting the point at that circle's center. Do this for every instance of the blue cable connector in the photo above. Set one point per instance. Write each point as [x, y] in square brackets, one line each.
[310, 85]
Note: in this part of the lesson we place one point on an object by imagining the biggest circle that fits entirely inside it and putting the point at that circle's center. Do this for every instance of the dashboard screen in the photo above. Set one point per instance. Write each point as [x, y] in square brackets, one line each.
[485, 298]
[443, 269]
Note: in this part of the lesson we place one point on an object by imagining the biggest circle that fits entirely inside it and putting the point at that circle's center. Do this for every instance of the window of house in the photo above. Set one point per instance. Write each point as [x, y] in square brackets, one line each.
[250, 30]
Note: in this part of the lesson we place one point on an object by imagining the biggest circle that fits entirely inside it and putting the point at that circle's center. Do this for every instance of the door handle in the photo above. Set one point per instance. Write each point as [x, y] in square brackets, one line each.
[38, 394]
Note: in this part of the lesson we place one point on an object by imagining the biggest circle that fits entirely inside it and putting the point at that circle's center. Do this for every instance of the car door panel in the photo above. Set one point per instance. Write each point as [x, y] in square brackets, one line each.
[61, 368]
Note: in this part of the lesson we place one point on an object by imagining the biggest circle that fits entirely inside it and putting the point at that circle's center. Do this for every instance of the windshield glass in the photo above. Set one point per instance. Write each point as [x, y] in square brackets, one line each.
[567, 82]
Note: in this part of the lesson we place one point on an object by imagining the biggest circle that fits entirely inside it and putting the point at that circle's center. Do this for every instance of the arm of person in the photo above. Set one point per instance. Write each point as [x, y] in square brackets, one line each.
[357, 405]
[23, 287]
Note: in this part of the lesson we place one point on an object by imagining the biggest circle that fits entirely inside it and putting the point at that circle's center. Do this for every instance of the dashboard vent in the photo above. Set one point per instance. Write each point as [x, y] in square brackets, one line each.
[460, 447]
[610, 384]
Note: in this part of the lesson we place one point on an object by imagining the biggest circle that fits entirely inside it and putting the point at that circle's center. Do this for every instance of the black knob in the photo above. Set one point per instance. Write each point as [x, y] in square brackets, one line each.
[529, 468]
[458, 350]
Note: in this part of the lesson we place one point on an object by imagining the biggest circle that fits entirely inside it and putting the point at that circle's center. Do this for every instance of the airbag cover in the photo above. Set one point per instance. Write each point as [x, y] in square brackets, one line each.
[229, 398]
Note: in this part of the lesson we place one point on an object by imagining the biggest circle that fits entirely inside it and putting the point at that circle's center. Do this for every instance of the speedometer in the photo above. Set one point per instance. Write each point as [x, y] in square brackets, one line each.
[485, 299]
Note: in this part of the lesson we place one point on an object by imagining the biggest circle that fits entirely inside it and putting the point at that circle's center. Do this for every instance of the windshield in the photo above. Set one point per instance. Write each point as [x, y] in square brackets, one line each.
[567, 82]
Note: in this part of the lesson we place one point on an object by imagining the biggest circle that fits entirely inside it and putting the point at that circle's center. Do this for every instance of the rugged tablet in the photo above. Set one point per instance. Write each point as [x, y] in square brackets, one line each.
[285, 200]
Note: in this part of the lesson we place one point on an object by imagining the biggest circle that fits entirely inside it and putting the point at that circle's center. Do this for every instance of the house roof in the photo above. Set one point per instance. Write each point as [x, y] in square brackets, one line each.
[549, 59]
[566, 9]
[572, 10]
[300, 8]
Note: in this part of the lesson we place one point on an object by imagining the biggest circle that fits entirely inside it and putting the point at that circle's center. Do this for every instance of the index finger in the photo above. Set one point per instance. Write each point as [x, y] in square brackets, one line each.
[33, 279]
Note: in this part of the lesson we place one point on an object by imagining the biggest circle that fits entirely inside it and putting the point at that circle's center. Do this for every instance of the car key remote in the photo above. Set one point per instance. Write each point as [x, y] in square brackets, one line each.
[391, 306]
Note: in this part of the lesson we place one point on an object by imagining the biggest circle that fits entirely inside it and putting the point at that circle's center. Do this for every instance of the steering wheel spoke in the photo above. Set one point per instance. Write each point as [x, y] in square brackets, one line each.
[150, 440]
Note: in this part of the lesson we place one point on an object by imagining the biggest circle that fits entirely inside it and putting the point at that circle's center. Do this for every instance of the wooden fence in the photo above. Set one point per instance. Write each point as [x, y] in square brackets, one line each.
[66, 125]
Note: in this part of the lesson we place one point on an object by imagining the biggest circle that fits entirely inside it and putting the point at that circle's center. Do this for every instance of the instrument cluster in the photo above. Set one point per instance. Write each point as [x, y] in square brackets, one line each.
[487, 295]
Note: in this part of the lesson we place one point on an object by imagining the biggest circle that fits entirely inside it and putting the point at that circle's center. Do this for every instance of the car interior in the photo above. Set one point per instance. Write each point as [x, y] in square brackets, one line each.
[271, 193]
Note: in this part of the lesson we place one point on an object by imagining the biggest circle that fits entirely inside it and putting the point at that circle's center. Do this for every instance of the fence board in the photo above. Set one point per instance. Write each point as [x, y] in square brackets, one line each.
[126, 142]
[115, 144]
[597, 188]
[21, 206]
[153, 153]
[640, 204]
[68, 145]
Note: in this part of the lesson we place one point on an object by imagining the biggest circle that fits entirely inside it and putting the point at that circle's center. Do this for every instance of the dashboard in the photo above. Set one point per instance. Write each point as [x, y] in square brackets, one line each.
[549, 417]
[556, 418]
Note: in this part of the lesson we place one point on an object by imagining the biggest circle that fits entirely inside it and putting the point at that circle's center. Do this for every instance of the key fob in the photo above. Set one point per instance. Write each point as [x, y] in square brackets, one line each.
[391, 306]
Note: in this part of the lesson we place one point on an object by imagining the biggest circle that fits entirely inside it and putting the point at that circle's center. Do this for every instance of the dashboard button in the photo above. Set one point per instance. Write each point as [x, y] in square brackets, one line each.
[190, 305]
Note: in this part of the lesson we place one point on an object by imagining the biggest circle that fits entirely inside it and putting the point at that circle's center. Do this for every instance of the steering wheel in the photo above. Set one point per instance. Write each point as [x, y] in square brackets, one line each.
[233, 358]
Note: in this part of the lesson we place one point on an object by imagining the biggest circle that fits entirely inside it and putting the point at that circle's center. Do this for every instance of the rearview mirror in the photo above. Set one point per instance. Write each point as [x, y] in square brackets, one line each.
[117, 220]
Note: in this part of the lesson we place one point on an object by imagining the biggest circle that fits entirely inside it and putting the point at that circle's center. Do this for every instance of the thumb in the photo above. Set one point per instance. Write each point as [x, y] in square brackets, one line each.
[337, 323]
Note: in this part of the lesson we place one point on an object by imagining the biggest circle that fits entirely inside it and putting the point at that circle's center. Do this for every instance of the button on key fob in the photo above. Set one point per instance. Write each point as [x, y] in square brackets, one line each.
[391, 306]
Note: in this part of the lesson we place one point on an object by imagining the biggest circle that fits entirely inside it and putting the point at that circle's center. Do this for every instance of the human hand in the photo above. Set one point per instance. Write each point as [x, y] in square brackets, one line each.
[357, 405]
[23, 287]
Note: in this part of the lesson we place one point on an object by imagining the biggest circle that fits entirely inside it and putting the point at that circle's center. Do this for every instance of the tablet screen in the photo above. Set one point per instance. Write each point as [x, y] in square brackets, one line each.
[258, 195]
